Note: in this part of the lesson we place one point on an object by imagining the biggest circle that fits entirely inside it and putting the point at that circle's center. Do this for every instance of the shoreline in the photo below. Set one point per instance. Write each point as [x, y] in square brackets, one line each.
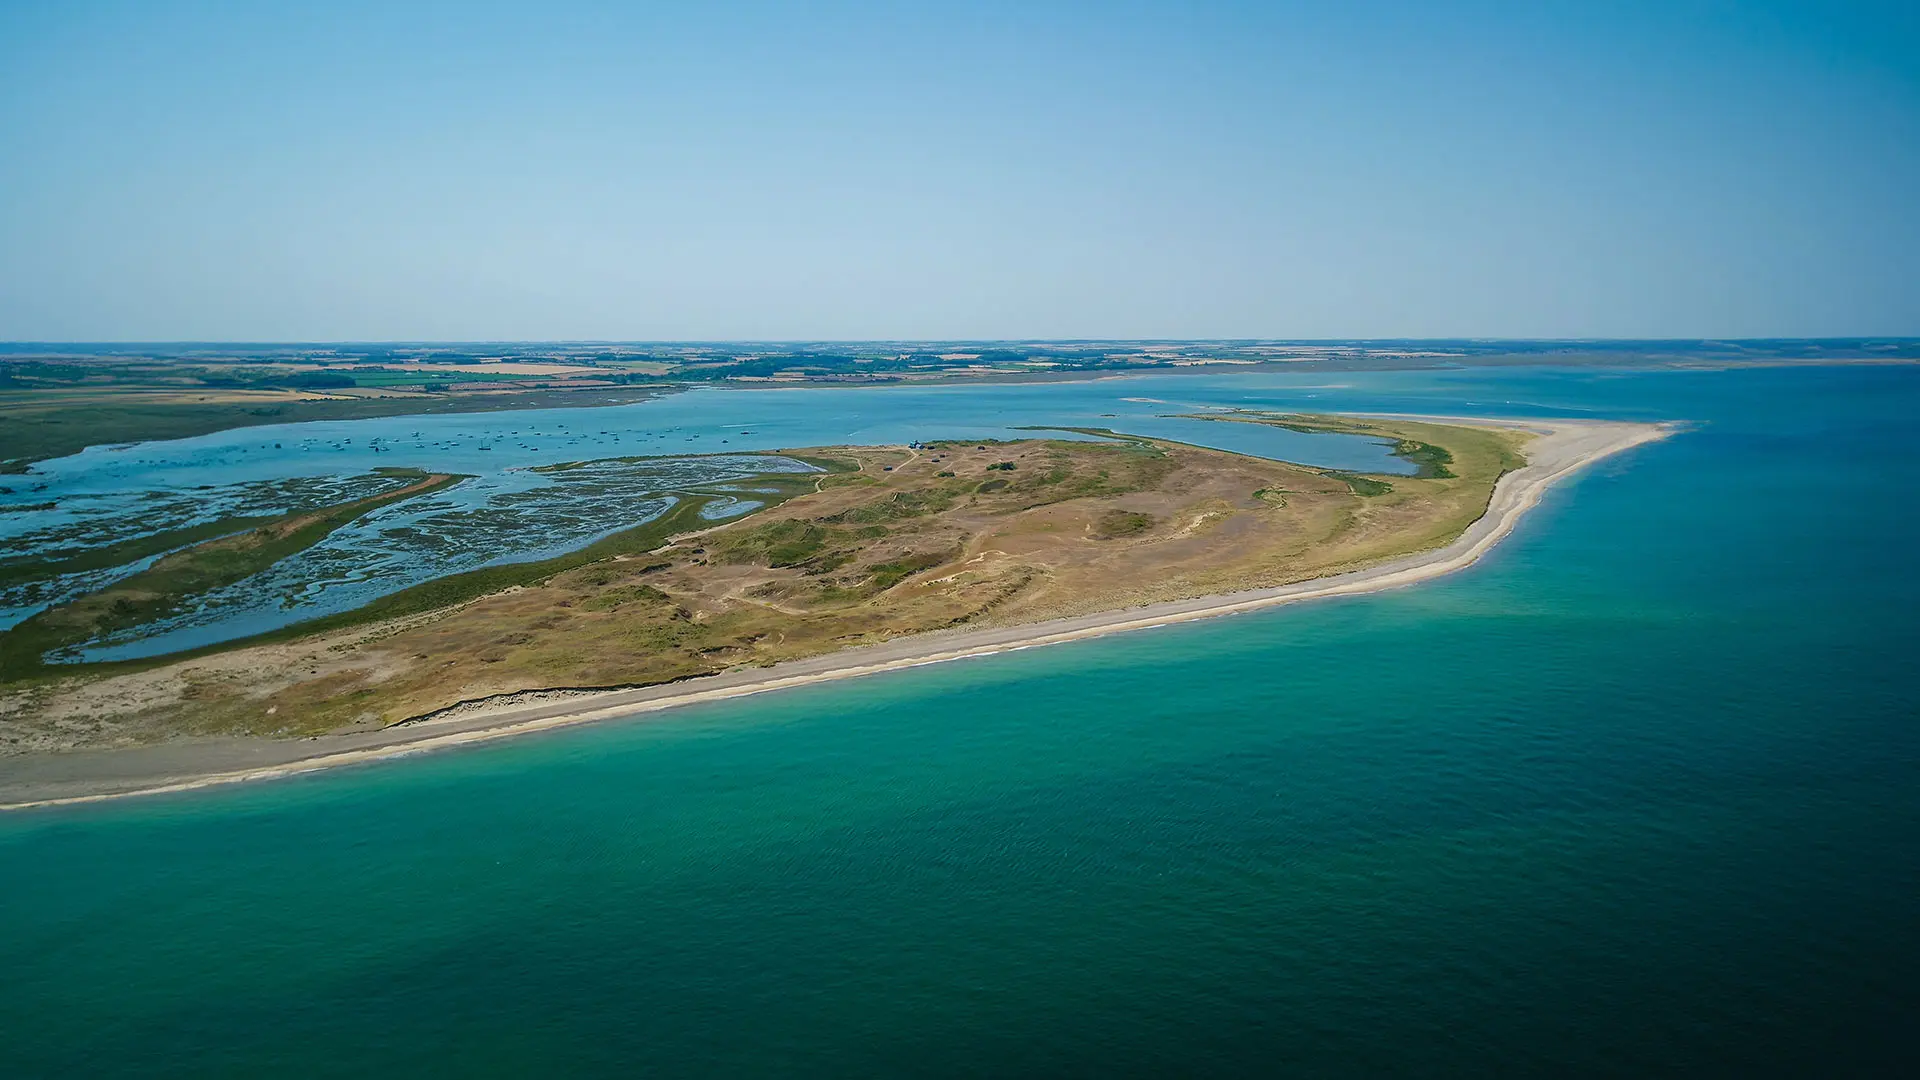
[1562, 448]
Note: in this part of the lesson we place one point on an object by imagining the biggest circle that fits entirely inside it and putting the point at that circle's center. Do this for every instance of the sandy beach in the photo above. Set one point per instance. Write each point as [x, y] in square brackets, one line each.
[1561, 448]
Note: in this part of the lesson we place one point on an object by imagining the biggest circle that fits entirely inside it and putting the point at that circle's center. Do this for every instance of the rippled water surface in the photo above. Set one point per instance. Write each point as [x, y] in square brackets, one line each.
[1637, 795]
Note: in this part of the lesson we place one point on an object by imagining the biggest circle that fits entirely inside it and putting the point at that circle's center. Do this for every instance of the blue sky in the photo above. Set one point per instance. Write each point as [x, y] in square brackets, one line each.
[380, 171]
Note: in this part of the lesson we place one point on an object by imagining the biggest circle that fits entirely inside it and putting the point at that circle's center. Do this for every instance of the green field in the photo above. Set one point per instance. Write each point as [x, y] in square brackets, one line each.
[420, 378]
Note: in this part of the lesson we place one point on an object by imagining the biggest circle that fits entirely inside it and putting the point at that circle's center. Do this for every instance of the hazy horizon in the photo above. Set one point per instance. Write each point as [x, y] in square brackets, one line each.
[1039, 172]
[1839, 339]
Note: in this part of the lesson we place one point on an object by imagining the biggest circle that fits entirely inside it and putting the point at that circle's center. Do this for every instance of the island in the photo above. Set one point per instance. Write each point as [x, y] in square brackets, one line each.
[879, 558]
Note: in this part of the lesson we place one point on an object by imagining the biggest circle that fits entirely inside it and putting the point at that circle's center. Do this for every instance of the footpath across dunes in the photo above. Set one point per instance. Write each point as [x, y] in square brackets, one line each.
[907, 556]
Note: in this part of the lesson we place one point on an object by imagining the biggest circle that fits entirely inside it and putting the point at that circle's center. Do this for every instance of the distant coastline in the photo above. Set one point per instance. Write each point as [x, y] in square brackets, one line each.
[1562, 448]
[59, 395]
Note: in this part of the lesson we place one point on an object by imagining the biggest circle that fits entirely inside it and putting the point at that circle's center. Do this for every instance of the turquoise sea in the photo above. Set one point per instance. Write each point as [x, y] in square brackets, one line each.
[1637, 795]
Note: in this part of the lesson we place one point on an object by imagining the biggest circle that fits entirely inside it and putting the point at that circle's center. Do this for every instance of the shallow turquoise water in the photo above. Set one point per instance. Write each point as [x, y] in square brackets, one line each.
[1638, 794]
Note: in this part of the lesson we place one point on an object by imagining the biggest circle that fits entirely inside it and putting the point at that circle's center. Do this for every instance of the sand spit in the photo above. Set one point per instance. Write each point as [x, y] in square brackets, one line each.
[1562, 448]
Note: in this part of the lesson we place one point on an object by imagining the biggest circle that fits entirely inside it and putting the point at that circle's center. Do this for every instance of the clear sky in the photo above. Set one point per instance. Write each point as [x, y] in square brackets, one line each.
[391, 170]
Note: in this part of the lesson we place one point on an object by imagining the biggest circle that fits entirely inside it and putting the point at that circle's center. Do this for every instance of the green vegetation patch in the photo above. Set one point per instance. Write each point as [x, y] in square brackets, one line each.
[1078, 470]
[881, 576]
[797, 544]
[1431, 462]
[1115, 524]
[776, 543]
[894, 571]
[34, 568]
[615, 599]
[897, 506]
[1365, 486]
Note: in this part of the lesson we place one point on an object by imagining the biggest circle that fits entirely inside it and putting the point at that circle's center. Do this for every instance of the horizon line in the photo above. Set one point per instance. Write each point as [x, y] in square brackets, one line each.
[1464, 340]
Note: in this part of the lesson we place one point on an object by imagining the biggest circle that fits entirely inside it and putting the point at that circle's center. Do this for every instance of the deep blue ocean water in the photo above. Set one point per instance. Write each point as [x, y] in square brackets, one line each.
[1639, 794]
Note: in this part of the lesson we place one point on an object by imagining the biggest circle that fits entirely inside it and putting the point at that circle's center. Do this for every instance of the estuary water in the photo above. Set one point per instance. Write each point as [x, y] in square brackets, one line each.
[1639, 794]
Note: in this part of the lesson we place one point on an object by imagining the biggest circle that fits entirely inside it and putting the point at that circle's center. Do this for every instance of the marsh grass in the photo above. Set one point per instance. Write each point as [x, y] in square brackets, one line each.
[150, 595]
[191, 571]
